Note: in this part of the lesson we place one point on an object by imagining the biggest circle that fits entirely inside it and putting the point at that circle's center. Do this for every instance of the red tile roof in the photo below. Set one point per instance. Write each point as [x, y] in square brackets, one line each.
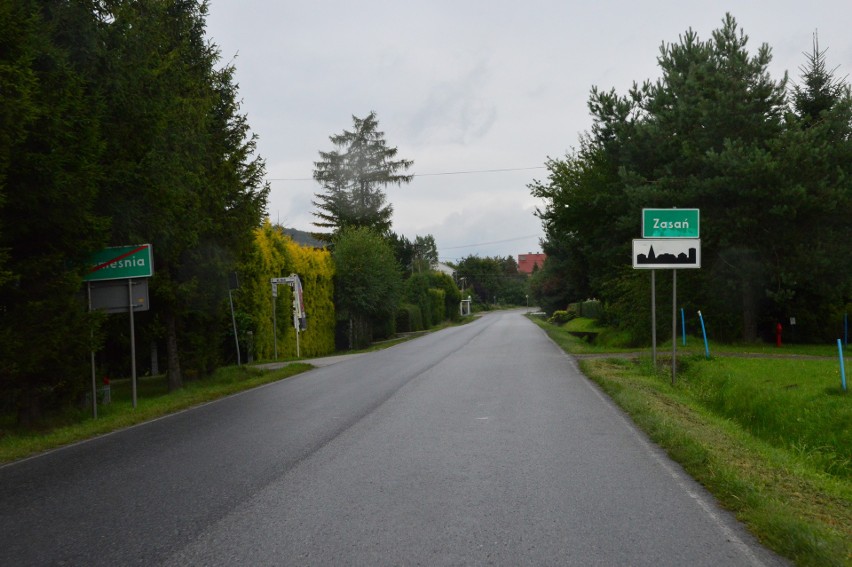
[527, 261]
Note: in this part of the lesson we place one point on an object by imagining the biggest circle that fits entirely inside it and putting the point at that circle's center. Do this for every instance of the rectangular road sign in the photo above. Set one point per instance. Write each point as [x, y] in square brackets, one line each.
[670, 223]
[115, 296]
[666, 253]
[121, 262]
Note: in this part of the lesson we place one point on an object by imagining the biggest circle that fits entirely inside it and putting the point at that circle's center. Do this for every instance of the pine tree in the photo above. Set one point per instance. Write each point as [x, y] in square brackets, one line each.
[353, 177]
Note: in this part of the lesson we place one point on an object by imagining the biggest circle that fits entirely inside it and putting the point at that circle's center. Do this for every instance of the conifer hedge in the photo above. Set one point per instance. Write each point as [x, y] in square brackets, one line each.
[276, 255]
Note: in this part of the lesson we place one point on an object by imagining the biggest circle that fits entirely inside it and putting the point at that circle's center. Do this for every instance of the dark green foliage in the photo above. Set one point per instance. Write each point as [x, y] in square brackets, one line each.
[714, 133]
[116, 128]
[452, 294]
[418, 256]
[417, 293]
[437, 304]
[490, 280]
[181, 170]
[591, 309]
[50, 146]
[436, 296]
[353, 177]
[408, 318]
[368, 283]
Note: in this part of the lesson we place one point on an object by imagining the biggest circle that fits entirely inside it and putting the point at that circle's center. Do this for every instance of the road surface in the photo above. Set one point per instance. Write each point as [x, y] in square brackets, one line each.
[475, 445]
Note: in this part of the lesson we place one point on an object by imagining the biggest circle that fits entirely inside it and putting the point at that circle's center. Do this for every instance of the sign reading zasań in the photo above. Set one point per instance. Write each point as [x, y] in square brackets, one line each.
[670, 223]
[121, 262]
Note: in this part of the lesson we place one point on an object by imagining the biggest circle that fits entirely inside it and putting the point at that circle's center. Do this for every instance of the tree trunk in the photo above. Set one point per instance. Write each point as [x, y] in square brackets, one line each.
[175, 376]
[749, 312]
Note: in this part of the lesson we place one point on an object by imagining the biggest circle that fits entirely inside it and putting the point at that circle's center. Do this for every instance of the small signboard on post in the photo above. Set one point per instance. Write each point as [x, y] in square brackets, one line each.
[670, 240]
[112, 296]
[661, 253]
[125, 263]
[671, 223]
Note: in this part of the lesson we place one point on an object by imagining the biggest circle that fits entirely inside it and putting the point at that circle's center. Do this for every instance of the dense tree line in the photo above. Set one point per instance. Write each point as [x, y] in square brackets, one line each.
[768, 167]
[118, 127]
[490, 280]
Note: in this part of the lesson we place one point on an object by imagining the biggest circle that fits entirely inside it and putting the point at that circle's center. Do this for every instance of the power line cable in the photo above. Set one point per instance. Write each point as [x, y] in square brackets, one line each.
[492, 242]
[428, 174]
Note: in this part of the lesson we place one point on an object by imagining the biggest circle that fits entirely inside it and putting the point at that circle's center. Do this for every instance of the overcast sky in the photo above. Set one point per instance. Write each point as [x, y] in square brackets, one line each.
[469, 86]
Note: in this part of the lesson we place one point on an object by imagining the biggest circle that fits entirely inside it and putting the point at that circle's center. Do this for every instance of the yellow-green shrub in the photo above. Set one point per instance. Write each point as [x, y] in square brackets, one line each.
[276, 255]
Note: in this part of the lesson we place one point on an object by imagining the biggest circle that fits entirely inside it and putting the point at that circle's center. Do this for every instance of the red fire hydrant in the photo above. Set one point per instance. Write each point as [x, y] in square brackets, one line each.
[778, 330]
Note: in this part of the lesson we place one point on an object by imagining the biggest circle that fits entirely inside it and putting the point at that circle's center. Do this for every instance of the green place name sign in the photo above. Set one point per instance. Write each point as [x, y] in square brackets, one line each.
[670, 223]
[121, 262]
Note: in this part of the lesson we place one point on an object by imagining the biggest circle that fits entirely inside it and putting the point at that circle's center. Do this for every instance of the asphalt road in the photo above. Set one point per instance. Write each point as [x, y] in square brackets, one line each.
[476, 445]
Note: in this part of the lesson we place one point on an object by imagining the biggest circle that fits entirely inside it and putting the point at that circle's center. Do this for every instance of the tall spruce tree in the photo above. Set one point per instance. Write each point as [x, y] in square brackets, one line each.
[181, 169]
[50, 146]
[811, 282]
[353, 178]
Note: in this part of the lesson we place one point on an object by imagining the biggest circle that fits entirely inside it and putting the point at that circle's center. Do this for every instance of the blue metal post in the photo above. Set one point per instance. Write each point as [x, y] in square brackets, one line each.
[704, 332]
[842, 365]
[683, 325]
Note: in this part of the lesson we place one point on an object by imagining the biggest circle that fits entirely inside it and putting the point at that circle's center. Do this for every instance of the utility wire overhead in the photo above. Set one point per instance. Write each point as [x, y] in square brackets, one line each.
[428, 174]
[492, 242]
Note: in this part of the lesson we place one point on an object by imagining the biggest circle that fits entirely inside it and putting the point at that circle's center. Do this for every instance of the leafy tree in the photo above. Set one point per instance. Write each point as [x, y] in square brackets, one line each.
[425, 253]
[353, 177]
[418, 256]
[403, 251]
[493, 278]
[368, 282]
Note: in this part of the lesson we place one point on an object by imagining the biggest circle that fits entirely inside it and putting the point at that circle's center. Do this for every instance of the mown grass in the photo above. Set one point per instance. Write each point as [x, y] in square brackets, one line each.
[153, 401]
[770, 438]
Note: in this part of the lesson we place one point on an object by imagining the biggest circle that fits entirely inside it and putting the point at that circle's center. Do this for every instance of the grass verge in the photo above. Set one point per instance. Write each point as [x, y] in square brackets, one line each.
[153, 401]
[769, 438]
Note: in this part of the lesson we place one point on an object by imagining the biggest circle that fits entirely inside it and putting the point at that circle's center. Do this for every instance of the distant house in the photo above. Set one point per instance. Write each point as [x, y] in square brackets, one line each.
[526, 262]
[444, 269]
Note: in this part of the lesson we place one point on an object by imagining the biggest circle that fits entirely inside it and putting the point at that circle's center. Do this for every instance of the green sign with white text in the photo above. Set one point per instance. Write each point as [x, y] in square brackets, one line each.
[121, 262]
[670, 223]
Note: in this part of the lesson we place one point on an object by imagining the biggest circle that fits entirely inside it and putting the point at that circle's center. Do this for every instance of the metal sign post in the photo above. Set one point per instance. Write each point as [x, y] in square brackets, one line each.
[670, 239]
[132, 340]
[654, 318]
[674, 325]
[92, 352]
[274, 318]
[107, 266]
[299, 315]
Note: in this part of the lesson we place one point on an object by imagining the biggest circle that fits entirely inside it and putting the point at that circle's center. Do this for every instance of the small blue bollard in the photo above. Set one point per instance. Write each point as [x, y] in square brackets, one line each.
[842, 365]
[704, 332]
[683, 325]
